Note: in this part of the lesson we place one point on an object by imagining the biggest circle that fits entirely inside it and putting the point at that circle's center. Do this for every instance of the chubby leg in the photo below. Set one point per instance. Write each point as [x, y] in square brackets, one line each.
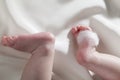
[41, 46]
[104, 65]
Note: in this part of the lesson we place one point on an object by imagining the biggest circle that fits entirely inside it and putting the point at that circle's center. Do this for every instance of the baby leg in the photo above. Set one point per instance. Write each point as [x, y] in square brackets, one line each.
[41, 46]
[106, 66]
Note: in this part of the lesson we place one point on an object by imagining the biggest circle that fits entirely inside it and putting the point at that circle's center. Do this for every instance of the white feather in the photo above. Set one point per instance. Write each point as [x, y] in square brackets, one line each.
[90, 36]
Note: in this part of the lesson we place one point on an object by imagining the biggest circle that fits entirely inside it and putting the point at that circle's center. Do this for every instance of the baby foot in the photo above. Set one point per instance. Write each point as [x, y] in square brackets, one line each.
[30, 43]
[85, 36]
[75, 30]
[86, 40]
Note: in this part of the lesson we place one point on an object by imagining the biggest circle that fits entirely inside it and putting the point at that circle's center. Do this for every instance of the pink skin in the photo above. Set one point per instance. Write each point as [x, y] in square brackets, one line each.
[76, 30]
[41, 46]
[104, 65]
